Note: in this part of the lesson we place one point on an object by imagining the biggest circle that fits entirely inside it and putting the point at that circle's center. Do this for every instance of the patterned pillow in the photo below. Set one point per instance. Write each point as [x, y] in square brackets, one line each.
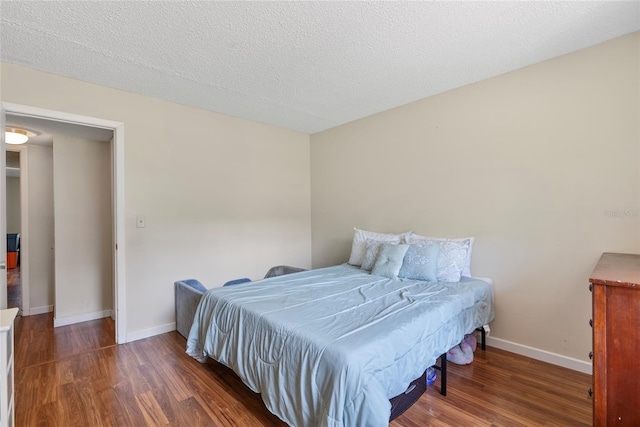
[452, 259]
[389, 260]
[417, 239]
[371, 253]
[421, 262]
[358, 246]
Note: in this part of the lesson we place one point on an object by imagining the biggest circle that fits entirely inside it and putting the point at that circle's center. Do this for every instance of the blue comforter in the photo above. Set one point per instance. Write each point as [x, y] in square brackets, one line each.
[330, 347]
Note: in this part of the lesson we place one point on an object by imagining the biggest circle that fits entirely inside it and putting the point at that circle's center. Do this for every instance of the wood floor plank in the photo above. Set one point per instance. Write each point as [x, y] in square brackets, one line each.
[69, 405]
[44, 415]
[192, 414]
[126, 404]
[153, 382]
[173, 382]
[151, 410]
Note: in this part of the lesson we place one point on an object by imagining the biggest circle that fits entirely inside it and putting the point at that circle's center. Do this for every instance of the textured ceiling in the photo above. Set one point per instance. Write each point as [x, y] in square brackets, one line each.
[306, 66]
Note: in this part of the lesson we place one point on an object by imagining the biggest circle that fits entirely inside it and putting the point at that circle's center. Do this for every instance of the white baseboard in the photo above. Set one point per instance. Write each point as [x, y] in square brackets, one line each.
[39, 310]
[81, 318]
[542, 355]
[146, 333]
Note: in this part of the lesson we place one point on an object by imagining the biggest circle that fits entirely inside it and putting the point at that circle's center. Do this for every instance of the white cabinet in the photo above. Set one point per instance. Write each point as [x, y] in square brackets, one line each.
[7, 416]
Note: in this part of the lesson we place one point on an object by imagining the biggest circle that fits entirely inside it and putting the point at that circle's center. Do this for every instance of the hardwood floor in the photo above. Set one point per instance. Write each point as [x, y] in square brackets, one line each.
[77, 376]
[14, 288]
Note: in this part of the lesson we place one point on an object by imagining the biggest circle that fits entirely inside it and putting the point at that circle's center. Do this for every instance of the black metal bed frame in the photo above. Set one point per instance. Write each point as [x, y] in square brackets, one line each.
[443, 362]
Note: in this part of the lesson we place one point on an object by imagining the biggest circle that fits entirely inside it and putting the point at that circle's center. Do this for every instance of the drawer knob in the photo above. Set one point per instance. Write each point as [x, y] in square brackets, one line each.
[591, 322]
[590, 392]
[590, 287]
[590, 355]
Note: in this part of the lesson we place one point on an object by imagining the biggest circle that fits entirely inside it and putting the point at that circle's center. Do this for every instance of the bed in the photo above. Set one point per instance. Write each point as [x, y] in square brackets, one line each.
[331, 346]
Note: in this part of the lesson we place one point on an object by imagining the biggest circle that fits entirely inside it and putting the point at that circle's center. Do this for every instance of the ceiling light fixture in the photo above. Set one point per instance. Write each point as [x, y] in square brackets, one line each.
[17, 136]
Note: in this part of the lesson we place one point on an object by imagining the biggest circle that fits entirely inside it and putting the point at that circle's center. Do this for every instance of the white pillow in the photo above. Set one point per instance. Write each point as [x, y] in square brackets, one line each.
[416, 238]
[359, 245]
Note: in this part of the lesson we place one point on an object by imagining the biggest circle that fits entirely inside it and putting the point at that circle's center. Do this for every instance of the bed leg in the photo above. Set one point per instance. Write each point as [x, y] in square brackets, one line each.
[483, 338]
[443, 373]
[443, 377]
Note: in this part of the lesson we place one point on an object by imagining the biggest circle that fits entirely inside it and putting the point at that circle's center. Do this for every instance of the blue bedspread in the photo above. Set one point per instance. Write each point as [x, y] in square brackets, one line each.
[330, 347]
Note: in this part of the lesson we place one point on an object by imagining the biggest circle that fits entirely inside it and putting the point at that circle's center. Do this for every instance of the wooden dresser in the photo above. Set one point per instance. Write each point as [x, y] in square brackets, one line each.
[615, 283]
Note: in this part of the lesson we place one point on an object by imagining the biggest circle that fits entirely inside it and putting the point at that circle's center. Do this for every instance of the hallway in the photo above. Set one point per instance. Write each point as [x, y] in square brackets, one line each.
[14, 288]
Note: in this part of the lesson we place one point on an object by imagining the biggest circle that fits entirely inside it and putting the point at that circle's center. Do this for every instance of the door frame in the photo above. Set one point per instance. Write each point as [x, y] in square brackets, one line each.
[117, 147]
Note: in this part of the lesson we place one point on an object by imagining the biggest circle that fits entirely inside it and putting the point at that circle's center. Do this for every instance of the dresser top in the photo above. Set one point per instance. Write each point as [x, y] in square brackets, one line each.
[6, 318]
[617, 270]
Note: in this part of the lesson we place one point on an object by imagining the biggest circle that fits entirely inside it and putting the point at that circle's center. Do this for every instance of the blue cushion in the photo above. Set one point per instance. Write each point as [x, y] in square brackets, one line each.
[237, 281]
[389, 260]
[195, 284]
[421, 262]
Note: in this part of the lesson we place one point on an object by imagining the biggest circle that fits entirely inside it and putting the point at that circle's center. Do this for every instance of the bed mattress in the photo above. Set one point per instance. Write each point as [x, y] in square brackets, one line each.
[330, 347]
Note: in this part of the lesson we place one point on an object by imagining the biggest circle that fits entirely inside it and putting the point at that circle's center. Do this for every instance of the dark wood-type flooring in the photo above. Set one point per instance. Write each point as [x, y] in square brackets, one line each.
[77, 376]
[14, 288]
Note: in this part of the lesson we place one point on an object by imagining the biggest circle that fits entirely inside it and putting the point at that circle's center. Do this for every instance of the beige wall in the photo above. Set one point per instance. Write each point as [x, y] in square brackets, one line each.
[223, 197]
[40, 241]
[540, 164]
[13, 205]
[83, 227]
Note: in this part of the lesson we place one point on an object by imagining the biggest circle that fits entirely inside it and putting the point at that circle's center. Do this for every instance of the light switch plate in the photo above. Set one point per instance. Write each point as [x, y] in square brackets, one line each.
[141, 221]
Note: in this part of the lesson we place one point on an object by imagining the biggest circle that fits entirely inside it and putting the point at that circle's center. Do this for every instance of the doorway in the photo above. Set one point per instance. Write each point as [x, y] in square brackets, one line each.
[117, 185]
[13, 218]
